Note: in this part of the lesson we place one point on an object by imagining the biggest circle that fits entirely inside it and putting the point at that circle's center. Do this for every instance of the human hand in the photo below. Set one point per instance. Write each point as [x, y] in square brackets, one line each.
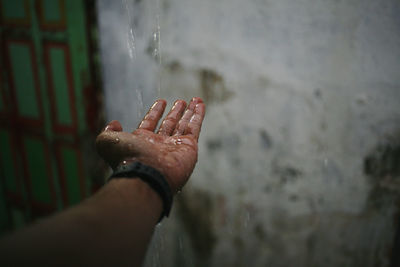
[172, 150]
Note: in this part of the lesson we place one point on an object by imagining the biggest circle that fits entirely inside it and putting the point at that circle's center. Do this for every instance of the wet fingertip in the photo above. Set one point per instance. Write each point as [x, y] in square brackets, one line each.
[145, 124]
[163, 103]
[113, 126]
[179, 103]
[197, 99]
[192, 104]
[183, 102]
[180, 100]
[200, 108]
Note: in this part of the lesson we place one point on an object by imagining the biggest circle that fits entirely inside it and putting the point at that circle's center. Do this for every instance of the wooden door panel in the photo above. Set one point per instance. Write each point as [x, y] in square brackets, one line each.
[23, 81]
[15, 12]
[51, 14]
[38, 174]
[44, 72]
[4, 104]
[8, 168]
[60, 87]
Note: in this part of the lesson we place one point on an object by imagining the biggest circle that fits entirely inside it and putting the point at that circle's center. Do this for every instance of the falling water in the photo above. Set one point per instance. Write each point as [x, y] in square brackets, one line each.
[131, 46]
[130, 34]
[156, 41]
[156, 44]
[140, 105]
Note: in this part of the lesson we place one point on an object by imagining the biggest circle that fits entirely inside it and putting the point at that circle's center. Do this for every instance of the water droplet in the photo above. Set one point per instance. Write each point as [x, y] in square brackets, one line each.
[326, 162]
[178, 141]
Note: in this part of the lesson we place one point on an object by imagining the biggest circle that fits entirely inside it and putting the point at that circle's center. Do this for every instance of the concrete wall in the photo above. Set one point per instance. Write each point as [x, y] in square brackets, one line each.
[300, 149]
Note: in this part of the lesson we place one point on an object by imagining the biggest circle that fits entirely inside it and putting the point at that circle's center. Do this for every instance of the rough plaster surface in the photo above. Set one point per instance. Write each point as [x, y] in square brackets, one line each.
[300, 149]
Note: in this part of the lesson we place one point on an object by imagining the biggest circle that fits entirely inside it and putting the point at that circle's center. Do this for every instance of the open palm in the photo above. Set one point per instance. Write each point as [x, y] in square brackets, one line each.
[172, 150]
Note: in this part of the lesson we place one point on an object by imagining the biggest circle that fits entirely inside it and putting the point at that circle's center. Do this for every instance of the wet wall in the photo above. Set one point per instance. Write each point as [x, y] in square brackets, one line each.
[299, 161]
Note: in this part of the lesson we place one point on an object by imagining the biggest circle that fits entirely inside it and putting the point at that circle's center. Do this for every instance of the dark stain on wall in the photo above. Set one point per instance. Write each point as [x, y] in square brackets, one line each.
[318, 93]
[382, 167]
[266, 141]
[287, 174]
[384, 160]
[174, 66]
[213, 87]
[195, 210]
[259, 232]
[293, 197]
[228, 145]
[238, 242]
[214, 144]
[228, 142]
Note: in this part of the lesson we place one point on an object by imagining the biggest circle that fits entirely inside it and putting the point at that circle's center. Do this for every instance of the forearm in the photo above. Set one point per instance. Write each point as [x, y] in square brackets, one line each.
[111, 228]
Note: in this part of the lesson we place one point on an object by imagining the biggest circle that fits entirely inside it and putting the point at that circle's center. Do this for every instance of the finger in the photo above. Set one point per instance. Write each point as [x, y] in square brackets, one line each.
[113, 126]
[184, 121]
[113, 146]
[169, 123]
[154, 114]
[194, 126]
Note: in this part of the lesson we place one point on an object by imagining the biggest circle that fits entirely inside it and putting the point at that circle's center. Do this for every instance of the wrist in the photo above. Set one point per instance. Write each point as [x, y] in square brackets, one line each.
[153, 164]
[149, 175]
[137, 194]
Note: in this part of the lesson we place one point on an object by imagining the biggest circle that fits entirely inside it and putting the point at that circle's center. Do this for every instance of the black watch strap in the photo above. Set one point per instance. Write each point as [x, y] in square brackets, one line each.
[152, 177]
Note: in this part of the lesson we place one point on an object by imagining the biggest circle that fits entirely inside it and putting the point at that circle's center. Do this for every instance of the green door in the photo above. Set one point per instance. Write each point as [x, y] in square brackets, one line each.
[46, 107]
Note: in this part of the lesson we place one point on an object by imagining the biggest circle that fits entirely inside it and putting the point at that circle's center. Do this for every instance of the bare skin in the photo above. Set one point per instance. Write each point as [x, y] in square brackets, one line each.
[114, 227]
[172, 150]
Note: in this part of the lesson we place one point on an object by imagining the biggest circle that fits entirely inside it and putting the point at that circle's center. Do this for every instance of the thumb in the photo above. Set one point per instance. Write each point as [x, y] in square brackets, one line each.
[113, 146]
